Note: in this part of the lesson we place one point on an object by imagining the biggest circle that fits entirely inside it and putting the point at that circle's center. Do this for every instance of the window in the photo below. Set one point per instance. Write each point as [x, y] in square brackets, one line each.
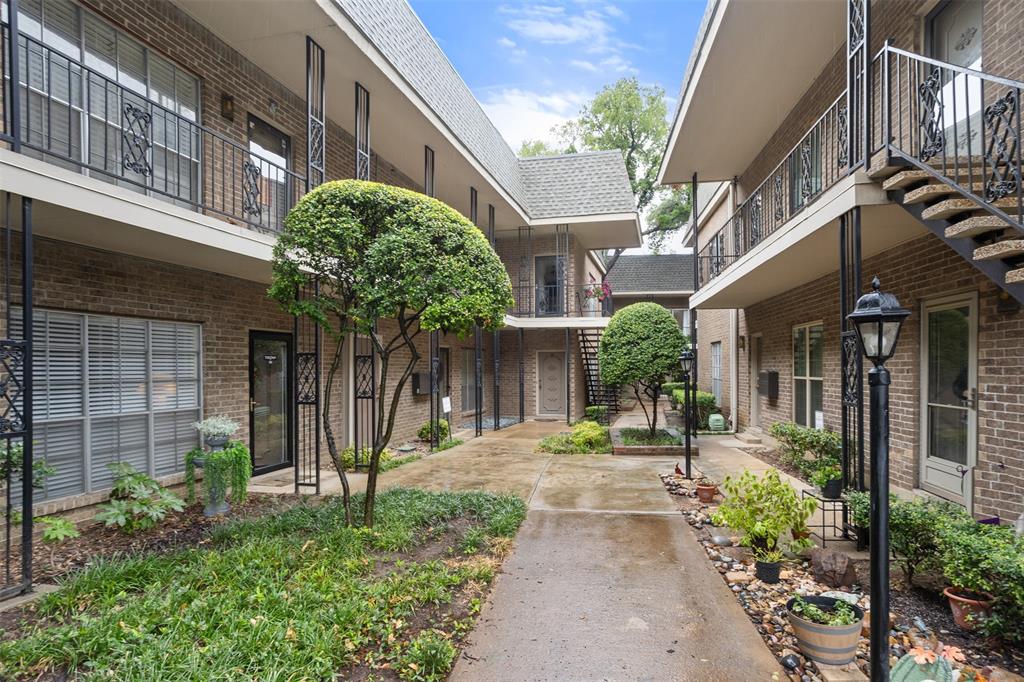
[112, 389]
[682, 316]
[716, 371]
[469, 380]
[78, 114]
[808, 352]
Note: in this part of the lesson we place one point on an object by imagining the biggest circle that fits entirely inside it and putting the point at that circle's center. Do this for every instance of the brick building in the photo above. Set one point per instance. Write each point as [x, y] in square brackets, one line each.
[158, 145]
[867, 143]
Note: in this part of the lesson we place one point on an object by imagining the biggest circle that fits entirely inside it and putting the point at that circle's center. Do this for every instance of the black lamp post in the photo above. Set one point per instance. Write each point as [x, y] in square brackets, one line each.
[877, 319]
[686, 362]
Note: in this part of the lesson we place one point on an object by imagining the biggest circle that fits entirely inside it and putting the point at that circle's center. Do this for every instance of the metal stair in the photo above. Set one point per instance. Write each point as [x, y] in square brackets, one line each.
[597, 392]
[974, 229]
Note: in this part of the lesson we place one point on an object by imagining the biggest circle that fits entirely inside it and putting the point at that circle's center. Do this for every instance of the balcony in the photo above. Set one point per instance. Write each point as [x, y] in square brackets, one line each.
[74, 116]
[815, 164]
[560, 300]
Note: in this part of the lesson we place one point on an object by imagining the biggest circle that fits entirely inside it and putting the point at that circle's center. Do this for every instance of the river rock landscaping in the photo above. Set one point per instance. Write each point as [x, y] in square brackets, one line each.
[916, 628]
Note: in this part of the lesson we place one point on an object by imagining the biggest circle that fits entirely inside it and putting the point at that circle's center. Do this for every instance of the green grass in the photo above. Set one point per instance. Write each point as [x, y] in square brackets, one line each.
[292, 596]
[399, 461]
[450, 443]
[643, 437]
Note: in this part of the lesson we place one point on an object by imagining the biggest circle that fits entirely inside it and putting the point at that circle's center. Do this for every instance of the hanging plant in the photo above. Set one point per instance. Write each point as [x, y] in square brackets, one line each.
[223, 470]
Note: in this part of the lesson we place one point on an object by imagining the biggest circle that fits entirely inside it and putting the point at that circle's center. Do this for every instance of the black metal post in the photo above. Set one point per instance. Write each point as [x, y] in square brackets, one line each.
[695, 212]
[522, 379]
[878, 380]
[497, 376]
[687, 416]
[478, 382]
[27, 394]
[435, 397]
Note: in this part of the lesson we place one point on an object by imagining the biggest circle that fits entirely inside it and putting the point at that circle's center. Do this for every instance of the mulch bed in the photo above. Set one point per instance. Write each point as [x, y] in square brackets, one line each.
[922, 618]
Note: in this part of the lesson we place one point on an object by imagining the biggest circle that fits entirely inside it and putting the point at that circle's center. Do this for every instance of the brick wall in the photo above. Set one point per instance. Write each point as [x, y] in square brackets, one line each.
[916, 271]
[713, 327]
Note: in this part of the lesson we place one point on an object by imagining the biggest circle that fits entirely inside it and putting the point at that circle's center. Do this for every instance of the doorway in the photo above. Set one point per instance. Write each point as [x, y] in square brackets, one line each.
[550, 286]
[949, 396]
[755, 378]
[953, 34]
[551, 398]
[270, 400]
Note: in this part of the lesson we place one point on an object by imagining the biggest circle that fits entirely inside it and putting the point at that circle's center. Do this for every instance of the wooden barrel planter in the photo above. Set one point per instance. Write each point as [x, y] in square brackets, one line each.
[829, 644]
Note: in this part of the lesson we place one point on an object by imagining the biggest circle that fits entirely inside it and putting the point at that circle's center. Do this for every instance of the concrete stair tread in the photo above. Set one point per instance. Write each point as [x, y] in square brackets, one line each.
[1004, 249]
[933, 191]
[975, 226]
[958, 205]
[1015, 276]
[904, 178]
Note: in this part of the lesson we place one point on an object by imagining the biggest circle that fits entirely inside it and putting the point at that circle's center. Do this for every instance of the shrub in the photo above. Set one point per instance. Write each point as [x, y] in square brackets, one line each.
[641, 346]
[644, 437]
[706, 405]
[443, 430]
[986, 558]
[57, 529]
[348, 457]
[859, 502]
[230, 468]
[668, 388]
[807, 449]
[451, 443]
[588, 436]
[428, 659]
[596, 413]
[762, 509]
[913, 531]
[137, 502]
[825, 473]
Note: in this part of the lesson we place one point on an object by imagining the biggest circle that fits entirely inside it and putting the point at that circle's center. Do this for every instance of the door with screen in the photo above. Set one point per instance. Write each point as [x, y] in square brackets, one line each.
[270, 400]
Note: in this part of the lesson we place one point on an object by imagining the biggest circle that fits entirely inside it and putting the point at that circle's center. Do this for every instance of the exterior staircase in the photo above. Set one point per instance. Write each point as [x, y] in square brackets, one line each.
[598, 393]
[974, 228]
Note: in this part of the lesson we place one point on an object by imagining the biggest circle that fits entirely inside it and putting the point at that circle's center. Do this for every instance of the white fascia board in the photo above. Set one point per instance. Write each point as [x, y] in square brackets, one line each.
[356, 35]
[556, 322]
[703, 213]
[632, 216]
[687, 96]
[627, 294]
[47, 182]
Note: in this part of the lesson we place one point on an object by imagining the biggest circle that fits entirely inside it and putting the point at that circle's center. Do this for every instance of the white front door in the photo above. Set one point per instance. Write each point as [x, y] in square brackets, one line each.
[949, 397]
[551, 382]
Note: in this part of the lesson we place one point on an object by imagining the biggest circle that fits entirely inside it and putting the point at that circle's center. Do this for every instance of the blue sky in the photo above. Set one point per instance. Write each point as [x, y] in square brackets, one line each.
[532, 65]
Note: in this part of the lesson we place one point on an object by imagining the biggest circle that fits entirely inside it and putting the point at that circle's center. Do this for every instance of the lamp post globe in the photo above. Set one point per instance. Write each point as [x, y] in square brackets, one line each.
[877, 319]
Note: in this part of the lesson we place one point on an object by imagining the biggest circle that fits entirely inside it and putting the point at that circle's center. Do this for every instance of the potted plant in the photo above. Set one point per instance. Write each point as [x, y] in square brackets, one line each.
[829, 478]
[762, 509]
[706, 489]
[594, 295]
[227, 468]
[216, 431]
[969, 607]
[859, 504]
[827, 630]
[768, 565]
[969, 553]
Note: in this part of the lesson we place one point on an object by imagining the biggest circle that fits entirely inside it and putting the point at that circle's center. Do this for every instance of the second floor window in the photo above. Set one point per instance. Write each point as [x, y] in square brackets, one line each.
[88, 87]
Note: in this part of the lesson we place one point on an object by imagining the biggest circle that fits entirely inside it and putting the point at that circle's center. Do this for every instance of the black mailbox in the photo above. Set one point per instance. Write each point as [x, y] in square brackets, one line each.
[421, 383]
[768, 385]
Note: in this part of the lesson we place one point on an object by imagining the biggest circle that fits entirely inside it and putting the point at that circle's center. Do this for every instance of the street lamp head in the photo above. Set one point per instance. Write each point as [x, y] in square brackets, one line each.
[686, 361]
[877, 319]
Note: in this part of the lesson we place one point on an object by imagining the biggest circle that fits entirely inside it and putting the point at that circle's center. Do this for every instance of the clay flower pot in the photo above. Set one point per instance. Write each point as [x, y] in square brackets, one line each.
[706, 493]
[967, 611]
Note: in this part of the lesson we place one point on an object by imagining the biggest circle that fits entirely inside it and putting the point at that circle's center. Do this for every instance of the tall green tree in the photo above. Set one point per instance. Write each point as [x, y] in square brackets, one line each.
[537, 148]
[667, 217]
[382, 253]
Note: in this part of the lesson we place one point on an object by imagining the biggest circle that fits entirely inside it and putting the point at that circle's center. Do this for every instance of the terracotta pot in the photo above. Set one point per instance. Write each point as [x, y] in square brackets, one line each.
[706, 493]
[966, 611]
[830, 644]
[800, 534]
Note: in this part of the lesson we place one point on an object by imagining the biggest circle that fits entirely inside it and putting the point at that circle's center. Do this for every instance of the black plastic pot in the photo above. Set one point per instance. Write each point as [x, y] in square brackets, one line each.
[833, 490]
[767, 572]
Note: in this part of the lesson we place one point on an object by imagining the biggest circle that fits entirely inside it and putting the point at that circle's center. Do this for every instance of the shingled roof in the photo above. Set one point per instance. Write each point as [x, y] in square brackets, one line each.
[652, 273]
[589, 184]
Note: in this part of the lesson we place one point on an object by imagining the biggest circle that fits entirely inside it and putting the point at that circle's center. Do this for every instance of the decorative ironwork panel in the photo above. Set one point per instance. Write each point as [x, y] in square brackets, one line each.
[316, 147]
[933, 139]
[779, 196]
[843, 132]
[851, 366]
[305, 367]
[756, 218]
[806, 171]
[12, 387]
[856, 14]
[135, 138]
[316, 107]
[1001, 148]
[252, 190]
[362, 133]
[365, 383]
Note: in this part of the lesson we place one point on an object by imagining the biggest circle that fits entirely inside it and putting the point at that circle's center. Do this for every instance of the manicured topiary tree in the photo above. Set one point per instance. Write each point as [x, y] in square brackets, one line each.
[384, 253]
[641, 347]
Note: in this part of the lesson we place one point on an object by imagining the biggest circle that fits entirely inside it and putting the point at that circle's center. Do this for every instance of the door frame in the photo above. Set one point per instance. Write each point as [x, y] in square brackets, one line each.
[970, 298]
[755, 380]
[289, 340]
[536, 359]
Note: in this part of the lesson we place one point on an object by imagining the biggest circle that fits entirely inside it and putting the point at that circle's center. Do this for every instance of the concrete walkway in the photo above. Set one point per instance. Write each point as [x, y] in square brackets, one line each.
[606, 582]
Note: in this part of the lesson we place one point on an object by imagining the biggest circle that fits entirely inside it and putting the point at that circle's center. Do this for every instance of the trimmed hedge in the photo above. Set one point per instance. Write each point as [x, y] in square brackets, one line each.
[825, 447]
[706, 405]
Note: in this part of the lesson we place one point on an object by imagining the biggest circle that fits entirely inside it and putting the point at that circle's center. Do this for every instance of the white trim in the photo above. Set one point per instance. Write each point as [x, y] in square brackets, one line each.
[536, 383]
[513, 322]
[970, 298]
[628, 294]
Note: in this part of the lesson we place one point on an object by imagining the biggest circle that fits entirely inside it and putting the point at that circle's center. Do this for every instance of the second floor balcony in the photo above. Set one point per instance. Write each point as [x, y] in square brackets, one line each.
[561, 300]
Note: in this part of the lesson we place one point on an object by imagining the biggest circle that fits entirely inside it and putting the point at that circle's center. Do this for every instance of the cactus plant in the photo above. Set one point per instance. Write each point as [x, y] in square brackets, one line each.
[907, 669]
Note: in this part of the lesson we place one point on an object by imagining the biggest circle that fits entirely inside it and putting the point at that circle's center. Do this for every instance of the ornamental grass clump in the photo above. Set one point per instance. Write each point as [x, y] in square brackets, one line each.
[641, 348]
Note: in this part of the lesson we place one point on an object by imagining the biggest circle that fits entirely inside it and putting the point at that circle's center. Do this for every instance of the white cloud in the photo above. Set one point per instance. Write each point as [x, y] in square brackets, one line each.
[506, 42]
[613, 11]
[584, 64]
[618, 64]
[524, 115]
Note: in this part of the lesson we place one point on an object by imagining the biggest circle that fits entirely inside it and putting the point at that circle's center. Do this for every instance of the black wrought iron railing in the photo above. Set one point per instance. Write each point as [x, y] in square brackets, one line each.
[815, 164]
[561, 300]
[958, 124]
[77, 117]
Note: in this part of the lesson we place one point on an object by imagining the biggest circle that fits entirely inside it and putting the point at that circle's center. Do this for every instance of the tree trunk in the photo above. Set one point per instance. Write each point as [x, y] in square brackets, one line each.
[332, 446]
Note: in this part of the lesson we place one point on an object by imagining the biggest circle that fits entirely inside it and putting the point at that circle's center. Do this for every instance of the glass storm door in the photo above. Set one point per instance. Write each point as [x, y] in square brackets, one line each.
[954, 36]
[270, 403]
[949, 397]
[550, 287]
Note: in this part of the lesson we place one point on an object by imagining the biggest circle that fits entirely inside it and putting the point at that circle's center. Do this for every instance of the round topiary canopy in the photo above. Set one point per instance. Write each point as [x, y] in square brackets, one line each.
[642, 343]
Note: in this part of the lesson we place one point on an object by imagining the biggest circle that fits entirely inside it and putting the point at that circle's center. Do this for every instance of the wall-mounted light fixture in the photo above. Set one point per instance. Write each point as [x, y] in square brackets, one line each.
[227, 106]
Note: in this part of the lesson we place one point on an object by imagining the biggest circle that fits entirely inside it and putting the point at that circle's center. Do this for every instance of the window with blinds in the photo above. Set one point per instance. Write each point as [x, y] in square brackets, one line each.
[76, 113]
[112, 389]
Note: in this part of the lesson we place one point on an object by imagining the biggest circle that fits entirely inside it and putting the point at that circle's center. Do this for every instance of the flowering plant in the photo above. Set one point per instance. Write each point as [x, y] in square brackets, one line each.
[598, 290]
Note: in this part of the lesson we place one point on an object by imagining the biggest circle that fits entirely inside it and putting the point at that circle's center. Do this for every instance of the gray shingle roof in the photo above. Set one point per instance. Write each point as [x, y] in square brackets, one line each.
[590, 183]
[652, 272]
[394, 29]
